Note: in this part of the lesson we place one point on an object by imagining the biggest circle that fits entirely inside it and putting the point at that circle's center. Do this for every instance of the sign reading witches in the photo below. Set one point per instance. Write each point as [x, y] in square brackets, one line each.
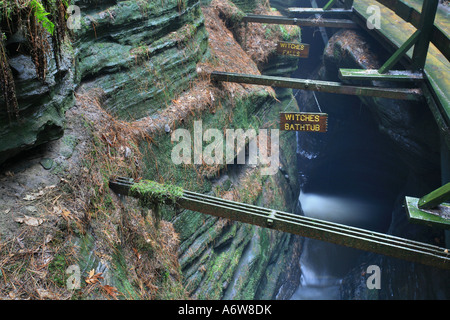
[303, 121]
[300, 50]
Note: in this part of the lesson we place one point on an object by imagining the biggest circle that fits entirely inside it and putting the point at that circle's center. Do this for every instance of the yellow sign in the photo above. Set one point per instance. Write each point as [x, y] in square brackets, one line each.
[300, 50]
[304, 121]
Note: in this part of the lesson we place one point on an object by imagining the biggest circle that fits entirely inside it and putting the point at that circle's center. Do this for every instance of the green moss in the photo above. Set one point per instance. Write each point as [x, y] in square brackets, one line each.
[151, 192]
[186, 224]
[247, 6]
[120, 276]
[69, 142]
[146, 64]
[169, 287]
[291, 33]
[57, 270]
[220, 271]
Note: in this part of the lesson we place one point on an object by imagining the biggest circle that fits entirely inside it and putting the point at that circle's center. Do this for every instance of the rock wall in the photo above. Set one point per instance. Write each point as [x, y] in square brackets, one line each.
[221, 259]
[140, 52]
[139, 60]
[135, 51]
[42, 104]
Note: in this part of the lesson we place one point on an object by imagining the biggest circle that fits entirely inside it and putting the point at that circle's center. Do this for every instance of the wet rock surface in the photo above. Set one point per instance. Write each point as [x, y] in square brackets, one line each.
[147, 56]
[139, 52]
[42, 105]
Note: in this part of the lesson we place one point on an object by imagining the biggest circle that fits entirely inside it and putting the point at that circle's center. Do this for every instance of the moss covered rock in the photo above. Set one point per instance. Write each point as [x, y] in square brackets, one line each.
[140, 53]
[42, 104]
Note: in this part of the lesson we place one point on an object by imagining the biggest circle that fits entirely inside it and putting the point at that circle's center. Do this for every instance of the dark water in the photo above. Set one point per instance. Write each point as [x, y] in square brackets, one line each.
[352, 176]
[323, 264]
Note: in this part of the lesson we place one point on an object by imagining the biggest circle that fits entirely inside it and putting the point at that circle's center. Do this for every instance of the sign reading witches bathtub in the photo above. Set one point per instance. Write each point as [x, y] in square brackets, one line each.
[304, 121]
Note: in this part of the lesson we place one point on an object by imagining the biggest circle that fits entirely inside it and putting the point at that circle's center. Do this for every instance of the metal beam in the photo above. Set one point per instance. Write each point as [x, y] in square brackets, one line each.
[329, 4]
[375, 75]
[425, 26]
[400, 52]
[304, 226]
[434, 88]
[435, 198]
[381, 74]
[317, 85]
[328, 23]
[321, 11]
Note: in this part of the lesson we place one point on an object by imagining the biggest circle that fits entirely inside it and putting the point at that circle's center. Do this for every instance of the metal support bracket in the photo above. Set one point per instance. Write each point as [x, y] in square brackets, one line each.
[438, 216]
[435, 198]
[431, 209]
[374, 74]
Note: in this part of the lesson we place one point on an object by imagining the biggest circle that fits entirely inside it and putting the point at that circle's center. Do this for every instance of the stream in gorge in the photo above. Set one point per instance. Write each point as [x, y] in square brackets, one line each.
[349, 175]
[355, 182]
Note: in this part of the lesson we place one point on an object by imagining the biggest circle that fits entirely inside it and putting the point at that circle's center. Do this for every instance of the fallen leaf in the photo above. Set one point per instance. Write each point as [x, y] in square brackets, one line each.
[65, 213]
[29, 197]
[45, 294]
[138, 255]
[93, 277]
[35, 195]
[48, 238]
[112, 291]
[30, 221]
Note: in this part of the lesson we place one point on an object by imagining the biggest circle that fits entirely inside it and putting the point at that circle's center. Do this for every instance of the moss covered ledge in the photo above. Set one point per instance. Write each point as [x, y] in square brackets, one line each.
[151, 191]
[152, 194]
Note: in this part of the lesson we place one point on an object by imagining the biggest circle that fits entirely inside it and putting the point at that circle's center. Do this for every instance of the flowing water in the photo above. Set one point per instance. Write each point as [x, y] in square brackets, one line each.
[323, 264]
[354, 183]
[351, 176]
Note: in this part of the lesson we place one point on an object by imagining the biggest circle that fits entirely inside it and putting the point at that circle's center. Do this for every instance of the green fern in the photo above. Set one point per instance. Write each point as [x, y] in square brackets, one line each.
[41, 16]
